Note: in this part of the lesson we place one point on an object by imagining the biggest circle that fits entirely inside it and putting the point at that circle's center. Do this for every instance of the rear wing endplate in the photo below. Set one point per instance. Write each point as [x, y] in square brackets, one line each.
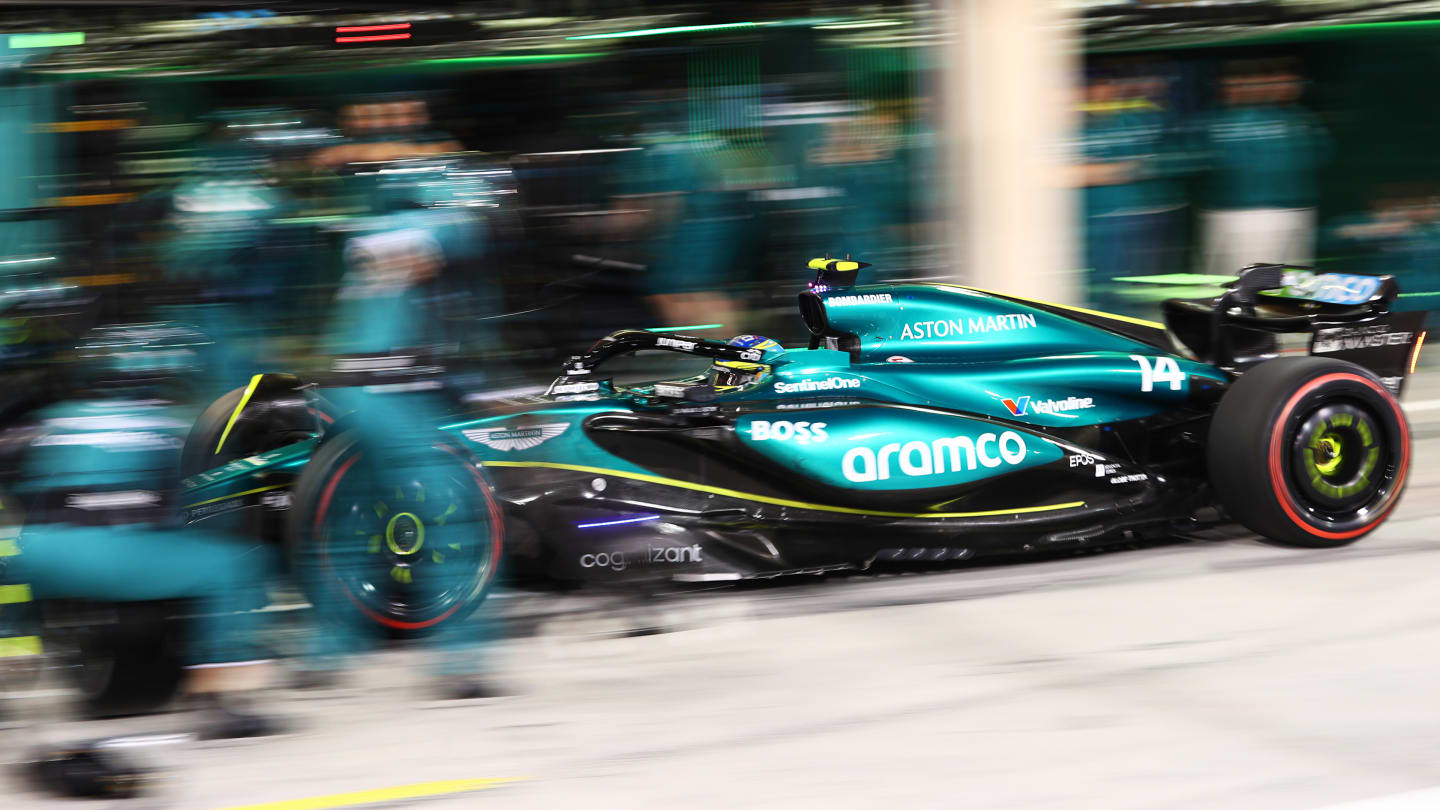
[1347, 315]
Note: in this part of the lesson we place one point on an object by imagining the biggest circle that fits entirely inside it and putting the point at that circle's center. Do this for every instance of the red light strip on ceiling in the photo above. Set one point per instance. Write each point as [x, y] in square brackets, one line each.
[362, 29]
[375, 38]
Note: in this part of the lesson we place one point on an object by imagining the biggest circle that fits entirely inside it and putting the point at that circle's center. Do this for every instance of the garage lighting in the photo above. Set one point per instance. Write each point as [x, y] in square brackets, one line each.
[372, 38]
[621, 521]
[369, 32]
[506, 59]
[696, 327]
[859, 24]
[675, 29]
[47, 40]
[365, 29]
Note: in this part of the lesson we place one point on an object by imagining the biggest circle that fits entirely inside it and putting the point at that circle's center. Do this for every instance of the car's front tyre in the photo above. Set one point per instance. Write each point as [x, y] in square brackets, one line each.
[245, 422]
[402, 540]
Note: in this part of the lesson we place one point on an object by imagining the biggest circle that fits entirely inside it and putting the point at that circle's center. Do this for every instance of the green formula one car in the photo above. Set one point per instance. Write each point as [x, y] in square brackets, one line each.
[922, 423]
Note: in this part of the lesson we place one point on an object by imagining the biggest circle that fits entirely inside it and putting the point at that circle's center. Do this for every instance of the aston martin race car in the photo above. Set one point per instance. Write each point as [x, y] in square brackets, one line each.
[922, 423]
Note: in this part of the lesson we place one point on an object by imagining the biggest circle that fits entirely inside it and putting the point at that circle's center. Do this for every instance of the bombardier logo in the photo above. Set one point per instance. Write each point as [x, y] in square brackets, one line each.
[852, 300]
[922, 330]
[921, 459]
[827, 384]
[517, 438]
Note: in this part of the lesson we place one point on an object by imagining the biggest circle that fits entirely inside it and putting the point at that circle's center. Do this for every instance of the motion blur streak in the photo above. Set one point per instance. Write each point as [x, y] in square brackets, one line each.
[421, 790]
[303, 310]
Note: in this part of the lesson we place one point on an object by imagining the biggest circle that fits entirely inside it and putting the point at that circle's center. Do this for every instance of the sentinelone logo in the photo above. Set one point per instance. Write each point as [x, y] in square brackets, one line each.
[827, 384]
[1020, 406]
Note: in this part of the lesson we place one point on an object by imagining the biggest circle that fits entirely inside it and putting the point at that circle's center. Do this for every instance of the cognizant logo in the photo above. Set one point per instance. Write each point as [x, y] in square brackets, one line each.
[919, 459]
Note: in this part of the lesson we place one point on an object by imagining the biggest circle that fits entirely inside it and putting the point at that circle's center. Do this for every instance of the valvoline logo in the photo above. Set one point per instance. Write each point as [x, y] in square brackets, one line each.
[1021, 406]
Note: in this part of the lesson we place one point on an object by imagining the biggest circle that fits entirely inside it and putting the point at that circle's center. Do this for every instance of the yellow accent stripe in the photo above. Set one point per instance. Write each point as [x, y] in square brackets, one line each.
[236, 495]
[1117, 106]
[1112, 316]
[244, 398]
[9, 548]
[16, 646]
[750, 496]
[419, 790]
[14, 594]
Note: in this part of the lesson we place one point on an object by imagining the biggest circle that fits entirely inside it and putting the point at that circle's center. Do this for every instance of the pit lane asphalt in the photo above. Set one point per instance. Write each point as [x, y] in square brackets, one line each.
[1218, 673]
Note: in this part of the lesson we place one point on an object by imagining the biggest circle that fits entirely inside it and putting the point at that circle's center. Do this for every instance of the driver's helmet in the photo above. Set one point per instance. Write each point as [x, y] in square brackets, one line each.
[734, 373]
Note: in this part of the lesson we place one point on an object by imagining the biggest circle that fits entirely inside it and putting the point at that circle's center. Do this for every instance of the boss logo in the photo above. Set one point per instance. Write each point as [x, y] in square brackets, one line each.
[802, 432]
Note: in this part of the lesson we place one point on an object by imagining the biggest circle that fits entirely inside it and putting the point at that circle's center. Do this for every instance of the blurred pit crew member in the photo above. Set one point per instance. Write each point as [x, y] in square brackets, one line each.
[380, 131]
[98, 486]
[222, 264]
[383, 311]
[1265, 151]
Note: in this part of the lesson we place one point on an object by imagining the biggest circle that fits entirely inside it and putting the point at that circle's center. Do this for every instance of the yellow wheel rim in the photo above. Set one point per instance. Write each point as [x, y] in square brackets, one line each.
[404, 534]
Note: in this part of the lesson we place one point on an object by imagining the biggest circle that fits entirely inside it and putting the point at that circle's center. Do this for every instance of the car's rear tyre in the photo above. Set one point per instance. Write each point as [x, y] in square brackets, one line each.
[403, 549]
[265, 422]
[1308, 451]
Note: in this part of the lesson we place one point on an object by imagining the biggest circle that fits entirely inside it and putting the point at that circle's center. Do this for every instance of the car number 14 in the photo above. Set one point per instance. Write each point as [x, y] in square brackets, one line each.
[1164, 370]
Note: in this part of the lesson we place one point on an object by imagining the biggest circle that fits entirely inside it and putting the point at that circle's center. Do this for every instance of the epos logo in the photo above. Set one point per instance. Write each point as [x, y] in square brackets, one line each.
[921, 459]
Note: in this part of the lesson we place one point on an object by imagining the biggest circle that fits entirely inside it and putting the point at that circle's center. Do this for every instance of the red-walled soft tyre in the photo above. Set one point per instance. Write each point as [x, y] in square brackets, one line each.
[1309, 451]
[403, 548]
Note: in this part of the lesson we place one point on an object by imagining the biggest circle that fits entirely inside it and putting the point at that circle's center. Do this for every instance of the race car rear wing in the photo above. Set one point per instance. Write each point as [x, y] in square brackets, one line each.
[576, 377]
[1348, 317]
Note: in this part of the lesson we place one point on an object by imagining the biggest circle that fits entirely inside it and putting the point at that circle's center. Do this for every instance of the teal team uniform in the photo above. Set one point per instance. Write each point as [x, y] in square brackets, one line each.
[1127, 224]
[97, 488]
[1264, 157]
